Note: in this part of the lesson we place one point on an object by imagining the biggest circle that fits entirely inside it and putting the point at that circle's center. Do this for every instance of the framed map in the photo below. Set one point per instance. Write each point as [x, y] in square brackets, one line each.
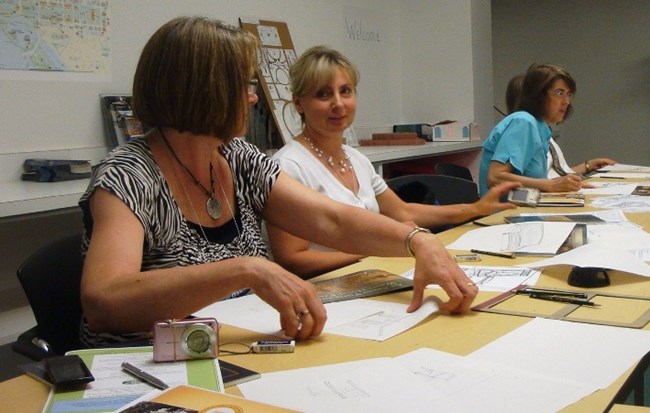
[62, 35]
[276, 56]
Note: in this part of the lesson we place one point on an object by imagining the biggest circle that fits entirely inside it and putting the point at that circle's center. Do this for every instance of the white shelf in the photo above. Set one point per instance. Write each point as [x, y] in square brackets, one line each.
[19, 197]
[385, 154]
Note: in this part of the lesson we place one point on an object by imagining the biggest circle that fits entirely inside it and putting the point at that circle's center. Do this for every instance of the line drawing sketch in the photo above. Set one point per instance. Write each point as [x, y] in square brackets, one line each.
[522, 236]
[486, 276]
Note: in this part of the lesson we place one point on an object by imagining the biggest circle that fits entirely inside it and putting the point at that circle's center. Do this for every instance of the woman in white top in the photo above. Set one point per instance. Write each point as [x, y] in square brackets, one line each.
[323, 83]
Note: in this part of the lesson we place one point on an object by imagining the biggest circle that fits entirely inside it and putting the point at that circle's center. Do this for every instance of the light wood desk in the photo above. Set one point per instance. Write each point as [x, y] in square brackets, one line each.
[455, 334]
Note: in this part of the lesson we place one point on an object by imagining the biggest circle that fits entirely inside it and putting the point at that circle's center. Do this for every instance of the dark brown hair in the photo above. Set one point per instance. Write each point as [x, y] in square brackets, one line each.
[193, 76]
[513, 93]
[538, 80]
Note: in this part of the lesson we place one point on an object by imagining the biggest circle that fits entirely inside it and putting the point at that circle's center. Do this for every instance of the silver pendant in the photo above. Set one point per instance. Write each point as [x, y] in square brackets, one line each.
[213, 207]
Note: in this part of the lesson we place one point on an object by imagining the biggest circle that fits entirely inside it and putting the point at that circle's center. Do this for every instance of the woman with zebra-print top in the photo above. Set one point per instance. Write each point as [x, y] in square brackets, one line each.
[172, 220]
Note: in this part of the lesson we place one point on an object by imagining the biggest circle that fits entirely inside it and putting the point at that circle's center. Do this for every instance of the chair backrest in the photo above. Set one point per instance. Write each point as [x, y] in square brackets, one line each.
[434, 189]
[51, 279]
[451, 169]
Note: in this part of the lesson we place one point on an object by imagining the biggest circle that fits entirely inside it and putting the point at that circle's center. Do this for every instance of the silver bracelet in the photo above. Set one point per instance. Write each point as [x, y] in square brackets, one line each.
[407, 241]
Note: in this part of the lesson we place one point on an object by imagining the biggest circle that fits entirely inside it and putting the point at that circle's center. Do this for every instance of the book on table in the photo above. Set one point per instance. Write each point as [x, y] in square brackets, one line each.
[361, 284]
[190, 399]
[561, 199]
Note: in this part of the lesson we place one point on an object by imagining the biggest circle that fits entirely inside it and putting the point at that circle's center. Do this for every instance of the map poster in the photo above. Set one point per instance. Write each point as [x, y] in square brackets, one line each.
[55, 35]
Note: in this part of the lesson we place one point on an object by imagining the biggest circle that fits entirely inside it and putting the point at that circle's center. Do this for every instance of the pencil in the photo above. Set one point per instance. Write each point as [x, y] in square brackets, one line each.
[502, 254]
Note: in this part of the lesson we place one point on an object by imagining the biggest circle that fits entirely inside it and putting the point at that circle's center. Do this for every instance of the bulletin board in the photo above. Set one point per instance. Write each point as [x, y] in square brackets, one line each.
[276, 56]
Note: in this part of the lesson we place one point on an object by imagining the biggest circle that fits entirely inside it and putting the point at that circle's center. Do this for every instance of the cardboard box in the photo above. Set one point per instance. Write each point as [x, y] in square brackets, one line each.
[449, 130]
[423, 130]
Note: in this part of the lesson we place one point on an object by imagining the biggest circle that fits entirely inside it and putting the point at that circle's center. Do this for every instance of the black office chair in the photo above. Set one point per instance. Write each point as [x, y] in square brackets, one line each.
[51, 279]
[451, 169]
[434, 190]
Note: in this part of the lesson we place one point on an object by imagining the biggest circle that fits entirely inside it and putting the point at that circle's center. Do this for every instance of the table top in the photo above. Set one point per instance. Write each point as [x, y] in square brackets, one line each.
[458, 334]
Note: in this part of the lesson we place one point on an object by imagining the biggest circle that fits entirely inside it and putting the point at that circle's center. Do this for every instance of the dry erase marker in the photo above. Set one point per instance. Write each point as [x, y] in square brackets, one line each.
[144, 376]
[467, 257]
[496, 254]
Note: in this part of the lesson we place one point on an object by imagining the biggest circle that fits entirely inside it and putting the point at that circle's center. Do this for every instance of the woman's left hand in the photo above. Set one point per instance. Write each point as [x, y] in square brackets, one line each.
[434, 265]
[491, 201]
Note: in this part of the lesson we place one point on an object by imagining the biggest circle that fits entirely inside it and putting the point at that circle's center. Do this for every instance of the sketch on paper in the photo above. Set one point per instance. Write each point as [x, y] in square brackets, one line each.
[522, 236]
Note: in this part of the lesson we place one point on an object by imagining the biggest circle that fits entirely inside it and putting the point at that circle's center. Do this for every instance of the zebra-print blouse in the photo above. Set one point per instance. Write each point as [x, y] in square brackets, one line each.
[130, 173]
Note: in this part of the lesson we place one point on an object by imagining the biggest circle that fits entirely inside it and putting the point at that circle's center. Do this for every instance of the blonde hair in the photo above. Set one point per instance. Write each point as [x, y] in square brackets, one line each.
[316, 67]
[193, 75]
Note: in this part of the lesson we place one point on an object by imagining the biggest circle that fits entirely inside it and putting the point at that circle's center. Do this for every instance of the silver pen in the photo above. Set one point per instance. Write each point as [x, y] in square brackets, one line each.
[144, 376]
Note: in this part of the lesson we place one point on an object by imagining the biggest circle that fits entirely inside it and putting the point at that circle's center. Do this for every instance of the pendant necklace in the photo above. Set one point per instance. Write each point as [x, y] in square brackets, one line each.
[342, 164]
[212, 205]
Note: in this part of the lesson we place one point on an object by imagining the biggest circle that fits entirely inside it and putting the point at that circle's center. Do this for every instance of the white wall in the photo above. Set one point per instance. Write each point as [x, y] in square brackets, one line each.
[420, 70]
[432, 62]
[605, 44]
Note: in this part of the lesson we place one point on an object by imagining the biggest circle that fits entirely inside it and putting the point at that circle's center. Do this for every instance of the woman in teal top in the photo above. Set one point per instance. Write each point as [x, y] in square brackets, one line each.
[517, 147]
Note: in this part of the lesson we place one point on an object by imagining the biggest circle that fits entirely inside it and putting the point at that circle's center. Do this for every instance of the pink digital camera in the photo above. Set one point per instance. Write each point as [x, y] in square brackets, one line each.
[196, 338]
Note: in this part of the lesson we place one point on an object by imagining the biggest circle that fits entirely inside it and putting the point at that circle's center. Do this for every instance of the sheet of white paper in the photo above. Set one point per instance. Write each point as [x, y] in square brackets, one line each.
[388, 320]
[609, 188]
[112, 381]
[627, 203]
[585, 353]
[493, 278]
[355, 316]
[622, 175]
[249, 312]
[530, 237]
[624, 167]
[373, 385]
[602, 255]
[491, 387]
[623, 235]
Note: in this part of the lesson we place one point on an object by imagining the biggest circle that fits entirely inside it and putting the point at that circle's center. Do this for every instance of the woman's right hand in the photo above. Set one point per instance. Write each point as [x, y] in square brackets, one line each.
[302, 313]
[566, 183]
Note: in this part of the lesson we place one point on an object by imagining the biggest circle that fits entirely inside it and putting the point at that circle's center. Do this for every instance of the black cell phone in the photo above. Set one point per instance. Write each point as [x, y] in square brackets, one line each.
[67, 371]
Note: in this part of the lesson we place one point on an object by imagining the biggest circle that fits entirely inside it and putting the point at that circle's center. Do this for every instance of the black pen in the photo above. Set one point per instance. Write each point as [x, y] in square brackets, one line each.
[495, 254]
[144, 376]
[541, 291]
[561, 299]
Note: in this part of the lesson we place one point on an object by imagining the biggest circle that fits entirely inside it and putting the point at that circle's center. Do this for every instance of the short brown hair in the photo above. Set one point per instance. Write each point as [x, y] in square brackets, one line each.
[316, 67]
[539, 78]
[193, 76]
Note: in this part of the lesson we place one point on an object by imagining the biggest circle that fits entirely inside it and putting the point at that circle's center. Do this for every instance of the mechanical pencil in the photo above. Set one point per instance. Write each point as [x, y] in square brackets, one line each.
[541, 291]
[561, 299]
[144, 376]
[495, 254]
